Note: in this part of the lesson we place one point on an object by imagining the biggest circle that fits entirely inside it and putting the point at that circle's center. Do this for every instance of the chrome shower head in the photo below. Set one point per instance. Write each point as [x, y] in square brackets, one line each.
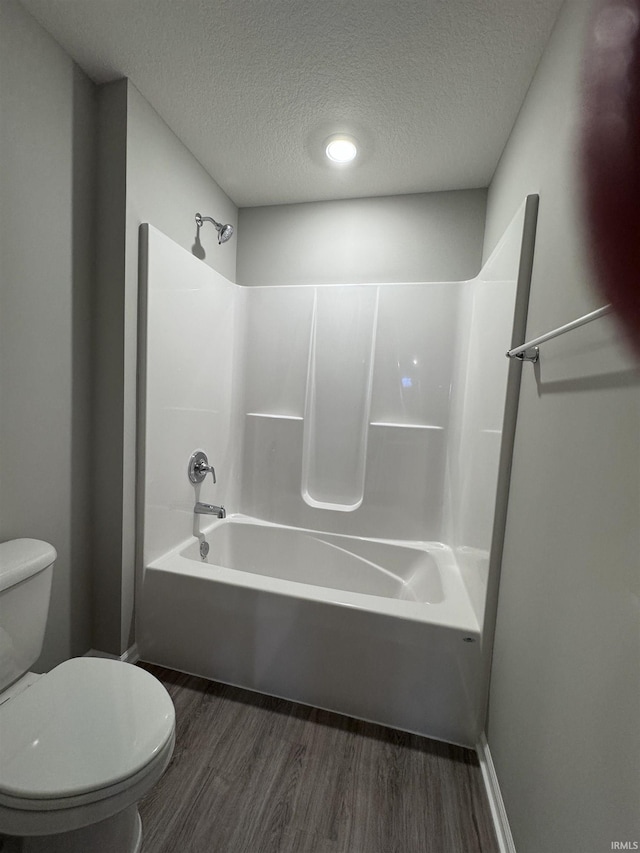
[225, 232]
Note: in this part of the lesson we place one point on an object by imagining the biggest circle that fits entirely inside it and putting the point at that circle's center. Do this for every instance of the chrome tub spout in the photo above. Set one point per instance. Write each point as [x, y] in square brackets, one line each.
[210, 509]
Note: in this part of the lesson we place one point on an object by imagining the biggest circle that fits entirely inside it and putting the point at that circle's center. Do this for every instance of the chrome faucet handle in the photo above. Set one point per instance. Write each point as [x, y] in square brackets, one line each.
[204, 469]
[199, 467]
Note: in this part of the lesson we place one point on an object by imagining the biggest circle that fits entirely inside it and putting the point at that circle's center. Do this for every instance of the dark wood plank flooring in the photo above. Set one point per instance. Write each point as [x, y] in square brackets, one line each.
[253, 774]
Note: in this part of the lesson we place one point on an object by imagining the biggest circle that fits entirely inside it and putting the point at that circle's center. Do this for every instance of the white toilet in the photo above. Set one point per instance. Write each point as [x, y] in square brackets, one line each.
[80, 745]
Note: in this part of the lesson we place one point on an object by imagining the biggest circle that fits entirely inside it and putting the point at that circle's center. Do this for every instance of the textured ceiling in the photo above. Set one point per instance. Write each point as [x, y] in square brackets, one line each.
[430, 88]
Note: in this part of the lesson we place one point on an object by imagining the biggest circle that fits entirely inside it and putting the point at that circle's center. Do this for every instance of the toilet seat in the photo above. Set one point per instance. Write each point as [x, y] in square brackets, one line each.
[81, 743]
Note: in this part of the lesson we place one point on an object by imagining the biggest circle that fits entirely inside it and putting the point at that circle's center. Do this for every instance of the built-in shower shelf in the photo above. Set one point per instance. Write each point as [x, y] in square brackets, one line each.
[274, 415]
[404, 426]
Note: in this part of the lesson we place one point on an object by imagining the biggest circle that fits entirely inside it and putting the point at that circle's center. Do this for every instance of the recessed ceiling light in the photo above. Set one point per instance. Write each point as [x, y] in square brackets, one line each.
[341, 149]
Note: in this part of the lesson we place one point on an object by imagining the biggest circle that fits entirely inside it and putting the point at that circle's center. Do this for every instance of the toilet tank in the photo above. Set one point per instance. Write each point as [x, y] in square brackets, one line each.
[26, 569]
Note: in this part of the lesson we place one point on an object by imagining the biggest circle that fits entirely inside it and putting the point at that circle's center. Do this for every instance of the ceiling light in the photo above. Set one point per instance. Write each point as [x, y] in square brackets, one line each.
[341, 149]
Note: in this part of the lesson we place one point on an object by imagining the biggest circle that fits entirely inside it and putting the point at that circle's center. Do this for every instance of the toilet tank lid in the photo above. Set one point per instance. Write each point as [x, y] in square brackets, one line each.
[22, 558]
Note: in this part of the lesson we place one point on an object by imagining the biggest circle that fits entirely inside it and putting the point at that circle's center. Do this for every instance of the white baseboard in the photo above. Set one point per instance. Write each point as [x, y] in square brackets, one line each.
[130, 656]
[494, 795]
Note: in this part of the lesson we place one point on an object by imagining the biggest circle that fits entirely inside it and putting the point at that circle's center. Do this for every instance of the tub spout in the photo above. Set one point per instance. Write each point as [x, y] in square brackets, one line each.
[210, 509]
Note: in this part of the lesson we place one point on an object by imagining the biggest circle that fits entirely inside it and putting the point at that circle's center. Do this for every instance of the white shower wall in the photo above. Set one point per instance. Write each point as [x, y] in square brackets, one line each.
[191, 319]
[346, 407]
[371, 410]
[487, 305]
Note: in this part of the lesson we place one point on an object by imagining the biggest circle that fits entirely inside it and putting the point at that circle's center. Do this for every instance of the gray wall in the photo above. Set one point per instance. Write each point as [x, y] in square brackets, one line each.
[564, 702]
[47, 132]
[146, 175]
[421, 237]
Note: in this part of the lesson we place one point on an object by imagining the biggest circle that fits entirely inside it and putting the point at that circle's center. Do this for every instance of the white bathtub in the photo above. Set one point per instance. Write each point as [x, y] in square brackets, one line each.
[380, 630]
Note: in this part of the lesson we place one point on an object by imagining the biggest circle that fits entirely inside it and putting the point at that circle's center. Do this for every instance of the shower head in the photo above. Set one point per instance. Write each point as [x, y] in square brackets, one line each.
[225, 232]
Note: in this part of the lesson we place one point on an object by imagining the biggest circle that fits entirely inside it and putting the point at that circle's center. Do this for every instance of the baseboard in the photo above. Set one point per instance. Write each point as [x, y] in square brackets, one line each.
[130, 656]
[494, 795]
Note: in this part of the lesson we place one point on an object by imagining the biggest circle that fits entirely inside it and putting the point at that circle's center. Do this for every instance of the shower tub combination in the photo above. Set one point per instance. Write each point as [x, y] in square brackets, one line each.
[354, 430]
[379, 630]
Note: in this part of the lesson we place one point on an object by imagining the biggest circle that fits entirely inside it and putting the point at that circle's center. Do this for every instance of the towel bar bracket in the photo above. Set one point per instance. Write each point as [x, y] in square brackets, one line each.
[532, 354]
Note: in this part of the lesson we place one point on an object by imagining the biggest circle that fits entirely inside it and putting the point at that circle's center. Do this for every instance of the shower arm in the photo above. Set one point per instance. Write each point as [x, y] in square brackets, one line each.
[200, 219]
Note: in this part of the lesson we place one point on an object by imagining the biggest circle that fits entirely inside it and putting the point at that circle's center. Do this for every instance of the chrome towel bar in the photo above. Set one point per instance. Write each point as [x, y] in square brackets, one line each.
[530, 351]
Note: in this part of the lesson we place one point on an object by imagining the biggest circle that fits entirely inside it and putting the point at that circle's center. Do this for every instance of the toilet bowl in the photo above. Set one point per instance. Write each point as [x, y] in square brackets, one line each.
[80, 745]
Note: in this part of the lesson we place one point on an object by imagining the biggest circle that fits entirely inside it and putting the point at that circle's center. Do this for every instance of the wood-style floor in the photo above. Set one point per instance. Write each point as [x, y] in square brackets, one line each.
[253, 774]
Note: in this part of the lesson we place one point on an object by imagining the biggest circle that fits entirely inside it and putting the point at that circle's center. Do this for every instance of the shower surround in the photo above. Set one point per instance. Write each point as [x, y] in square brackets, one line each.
[356, 434]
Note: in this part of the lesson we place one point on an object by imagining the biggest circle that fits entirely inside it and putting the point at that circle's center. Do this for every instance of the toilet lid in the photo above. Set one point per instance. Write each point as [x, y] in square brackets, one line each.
[88, 724]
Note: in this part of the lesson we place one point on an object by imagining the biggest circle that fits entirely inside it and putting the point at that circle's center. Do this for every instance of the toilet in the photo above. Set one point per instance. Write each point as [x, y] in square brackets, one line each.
[80, 745]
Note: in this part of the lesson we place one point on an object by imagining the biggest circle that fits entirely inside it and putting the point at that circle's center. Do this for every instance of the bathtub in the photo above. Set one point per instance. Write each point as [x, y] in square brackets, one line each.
[379, 630]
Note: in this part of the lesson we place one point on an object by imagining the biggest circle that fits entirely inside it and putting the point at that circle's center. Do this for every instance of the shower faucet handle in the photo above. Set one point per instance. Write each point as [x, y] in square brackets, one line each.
[199, 467]
[204, 469]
